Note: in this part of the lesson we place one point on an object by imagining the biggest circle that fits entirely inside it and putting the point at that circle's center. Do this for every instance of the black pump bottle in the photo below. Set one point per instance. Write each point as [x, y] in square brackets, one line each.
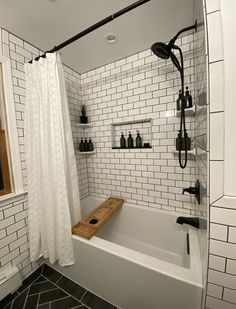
[130, 141]
[122, 141]
[188, 99]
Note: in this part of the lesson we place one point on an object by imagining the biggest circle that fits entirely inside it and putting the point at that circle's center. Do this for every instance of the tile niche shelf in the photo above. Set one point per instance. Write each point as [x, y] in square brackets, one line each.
[144, 126]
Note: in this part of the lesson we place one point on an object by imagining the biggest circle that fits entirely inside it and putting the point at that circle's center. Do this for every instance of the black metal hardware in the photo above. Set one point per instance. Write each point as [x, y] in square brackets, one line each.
[193, 221]
[93, 27]
[188, 245]
[194, 190]
[164, 51]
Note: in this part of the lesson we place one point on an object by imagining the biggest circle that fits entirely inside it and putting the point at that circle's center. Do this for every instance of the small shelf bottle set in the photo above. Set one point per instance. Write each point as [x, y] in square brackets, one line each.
[85, 145]
[130, 141]
[188, 102]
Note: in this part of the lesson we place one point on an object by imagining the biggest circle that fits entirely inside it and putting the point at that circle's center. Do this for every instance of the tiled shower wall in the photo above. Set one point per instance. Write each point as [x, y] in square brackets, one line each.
[221, 290]
[201, 141]
[14, 246]
[138, 87]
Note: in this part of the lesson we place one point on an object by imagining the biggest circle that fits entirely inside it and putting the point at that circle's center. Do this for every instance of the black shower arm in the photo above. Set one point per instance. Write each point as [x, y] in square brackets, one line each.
[172, 41]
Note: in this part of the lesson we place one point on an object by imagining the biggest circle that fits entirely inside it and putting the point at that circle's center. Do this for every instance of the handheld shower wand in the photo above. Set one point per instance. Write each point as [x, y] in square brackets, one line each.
[164, 51]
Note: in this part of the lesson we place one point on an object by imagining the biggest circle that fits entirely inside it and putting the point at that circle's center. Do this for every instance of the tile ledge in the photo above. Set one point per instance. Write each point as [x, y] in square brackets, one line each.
[12, 197]
[226, 201]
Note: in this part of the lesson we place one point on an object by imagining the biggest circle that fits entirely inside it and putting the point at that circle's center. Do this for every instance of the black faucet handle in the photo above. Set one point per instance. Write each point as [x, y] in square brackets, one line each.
[190, 190]
[194, 190]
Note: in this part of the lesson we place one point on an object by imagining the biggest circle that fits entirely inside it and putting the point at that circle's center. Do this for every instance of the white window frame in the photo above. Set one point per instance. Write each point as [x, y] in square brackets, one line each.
[13, 142]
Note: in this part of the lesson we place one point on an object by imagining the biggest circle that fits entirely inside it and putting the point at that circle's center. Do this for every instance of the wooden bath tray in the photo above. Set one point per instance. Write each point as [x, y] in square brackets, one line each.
[90, 224]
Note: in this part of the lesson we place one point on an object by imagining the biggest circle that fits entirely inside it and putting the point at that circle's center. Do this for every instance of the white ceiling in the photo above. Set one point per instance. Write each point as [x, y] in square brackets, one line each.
[46, 23]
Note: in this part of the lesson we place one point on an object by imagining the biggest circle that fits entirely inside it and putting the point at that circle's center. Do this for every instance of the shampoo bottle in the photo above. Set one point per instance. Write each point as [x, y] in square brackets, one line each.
[90, 145]
[130, 141]
[85, 145]
[122, 141]
[179, 102]
[81, 145]
[138, 140]
[188, 99]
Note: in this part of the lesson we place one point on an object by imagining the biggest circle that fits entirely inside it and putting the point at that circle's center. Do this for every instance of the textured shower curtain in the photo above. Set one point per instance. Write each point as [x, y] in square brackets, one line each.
[53, 193]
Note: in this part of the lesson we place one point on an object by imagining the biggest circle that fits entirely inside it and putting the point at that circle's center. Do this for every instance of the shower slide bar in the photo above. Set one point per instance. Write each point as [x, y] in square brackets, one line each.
[93, 27]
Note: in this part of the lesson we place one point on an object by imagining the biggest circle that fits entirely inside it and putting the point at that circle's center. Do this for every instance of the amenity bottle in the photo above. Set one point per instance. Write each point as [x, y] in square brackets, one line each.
[130, 141]
[85, 145]
[138, 140]
[90, 145]
[180, 143]
[188, 99]
[179, 102]
[122, 141]
[81, 145]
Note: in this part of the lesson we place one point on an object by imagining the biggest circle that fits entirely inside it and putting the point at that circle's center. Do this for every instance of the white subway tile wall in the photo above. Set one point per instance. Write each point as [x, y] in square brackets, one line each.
[138, 87]
[14, 245]
[221, 290]
[135, 88]
[201, 122]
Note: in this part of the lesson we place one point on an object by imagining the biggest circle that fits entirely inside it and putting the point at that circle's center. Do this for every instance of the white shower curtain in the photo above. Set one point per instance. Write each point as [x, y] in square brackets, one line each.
[53, 192]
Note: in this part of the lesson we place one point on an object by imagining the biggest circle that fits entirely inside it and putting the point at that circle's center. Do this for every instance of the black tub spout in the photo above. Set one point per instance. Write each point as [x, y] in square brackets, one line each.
[193, 221]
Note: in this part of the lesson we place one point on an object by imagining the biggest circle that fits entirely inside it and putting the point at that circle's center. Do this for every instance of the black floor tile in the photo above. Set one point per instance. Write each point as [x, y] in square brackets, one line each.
[40, 279]
[65, 303]
[41, 287]
[30, 279]
[31, 302]
[71, 287]
[19, 301]
[50, 273]
[49, 296]
[96, 302]
[44, 306]
[8, 299]
[38, 292]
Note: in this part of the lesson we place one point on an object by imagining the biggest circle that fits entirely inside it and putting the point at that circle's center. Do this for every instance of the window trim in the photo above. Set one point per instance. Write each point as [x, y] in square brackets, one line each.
[14, 153]
[5, 170]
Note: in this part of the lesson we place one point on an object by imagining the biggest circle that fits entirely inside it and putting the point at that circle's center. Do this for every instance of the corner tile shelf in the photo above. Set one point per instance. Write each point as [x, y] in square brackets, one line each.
[192, 151]
[83, 125]
[188, 111]
[85, 152]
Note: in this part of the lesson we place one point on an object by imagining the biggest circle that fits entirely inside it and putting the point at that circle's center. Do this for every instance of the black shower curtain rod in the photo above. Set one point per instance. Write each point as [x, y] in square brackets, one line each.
[93, 27]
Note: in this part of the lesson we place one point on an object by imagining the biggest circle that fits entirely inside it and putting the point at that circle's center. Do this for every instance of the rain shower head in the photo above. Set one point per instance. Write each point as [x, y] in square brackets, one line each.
[163, 51]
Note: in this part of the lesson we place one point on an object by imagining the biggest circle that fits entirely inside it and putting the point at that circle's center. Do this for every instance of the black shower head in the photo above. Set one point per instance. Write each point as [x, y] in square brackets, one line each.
[164, 51]
[161, 50]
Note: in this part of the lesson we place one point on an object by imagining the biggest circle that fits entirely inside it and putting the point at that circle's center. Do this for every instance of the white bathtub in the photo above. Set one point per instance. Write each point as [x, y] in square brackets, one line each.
[139, 260]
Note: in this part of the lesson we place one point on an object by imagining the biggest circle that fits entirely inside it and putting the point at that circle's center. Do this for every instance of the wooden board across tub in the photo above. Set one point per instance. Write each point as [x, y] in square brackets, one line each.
[90, 224]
